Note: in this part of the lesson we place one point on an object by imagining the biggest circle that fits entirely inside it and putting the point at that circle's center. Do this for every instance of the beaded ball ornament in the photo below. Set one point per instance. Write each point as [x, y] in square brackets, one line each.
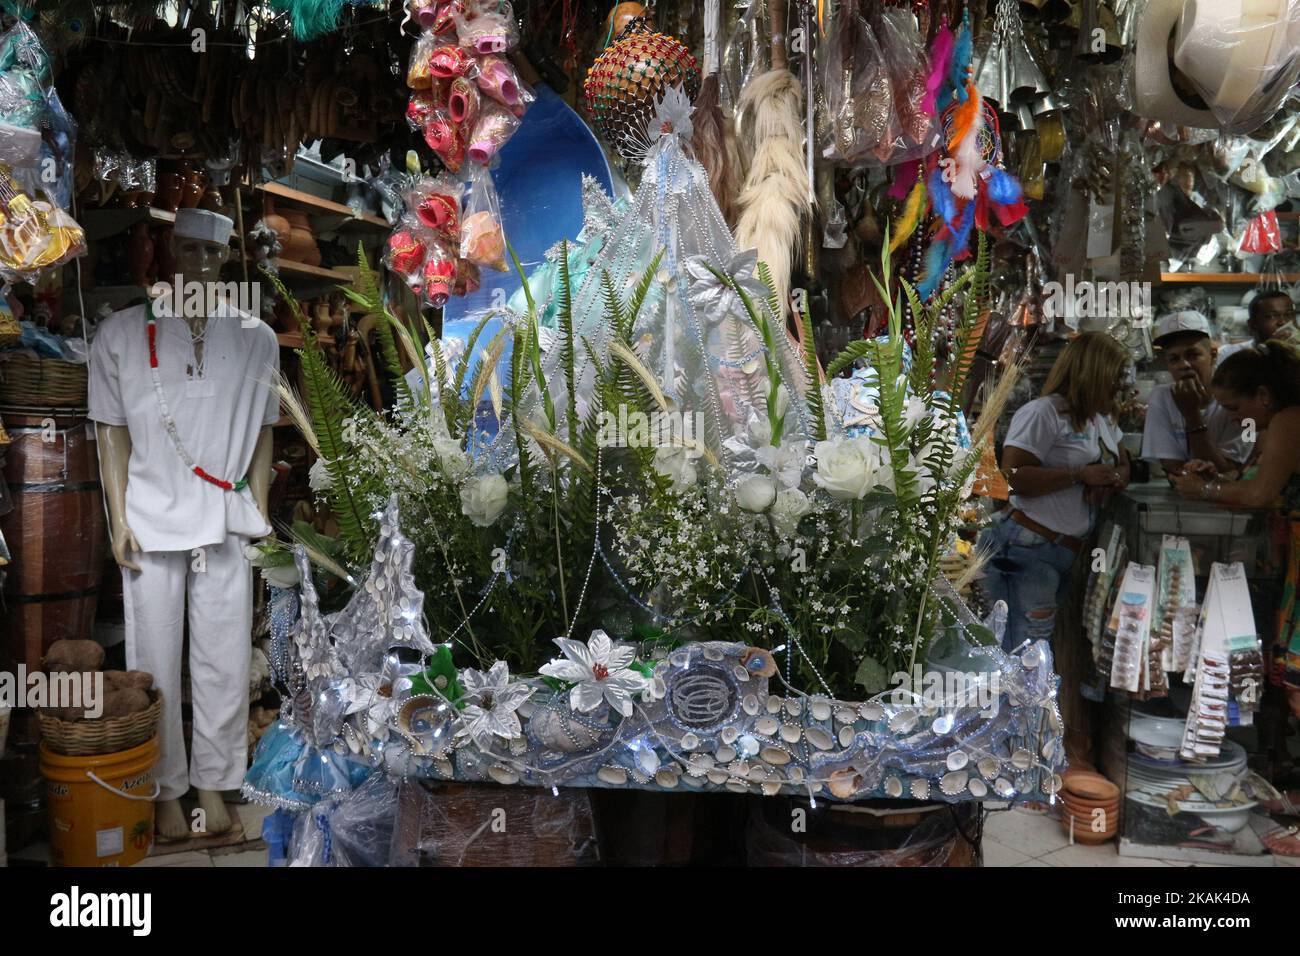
[628, 79]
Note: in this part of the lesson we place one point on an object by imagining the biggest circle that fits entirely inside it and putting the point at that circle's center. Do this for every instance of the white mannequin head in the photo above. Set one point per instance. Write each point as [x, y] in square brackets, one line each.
[201, 244]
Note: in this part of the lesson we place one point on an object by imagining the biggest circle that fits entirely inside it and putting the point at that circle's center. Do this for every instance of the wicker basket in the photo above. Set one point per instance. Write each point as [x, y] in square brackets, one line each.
[42, 382]
[89, 738]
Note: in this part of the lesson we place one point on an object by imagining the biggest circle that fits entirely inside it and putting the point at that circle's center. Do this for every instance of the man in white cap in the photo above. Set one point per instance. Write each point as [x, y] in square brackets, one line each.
[1183, 421]
[184, 405]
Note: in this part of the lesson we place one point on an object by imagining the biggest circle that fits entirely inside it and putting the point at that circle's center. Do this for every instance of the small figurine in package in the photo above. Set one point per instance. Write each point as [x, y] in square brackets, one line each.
[424, 102]
[444, 22]
[436, 202]
[498, 79]
[482, 240]
[439, 275]
[404, 254]
[446, 138]
[418, 74]
[449, 61]
[495, 125]
[488, 30]
[463, 101]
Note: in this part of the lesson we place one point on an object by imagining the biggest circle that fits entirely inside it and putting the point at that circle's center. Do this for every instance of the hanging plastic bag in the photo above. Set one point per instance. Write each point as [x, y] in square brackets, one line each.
[353, 830]
[859, 94]
[423, 103]
[488, 30]
[495, 125]
[498, 79]
[439, 275]
[912, 133]
[463, 102]
[450, 61]
[406, 249]
[418, 75]
[482, 240]
[444, 21]
[446, 138]
[1262, 235]
[435, 202]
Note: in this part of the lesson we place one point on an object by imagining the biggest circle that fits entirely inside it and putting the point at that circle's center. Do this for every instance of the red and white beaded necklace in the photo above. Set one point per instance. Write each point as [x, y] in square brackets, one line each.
[170, 423]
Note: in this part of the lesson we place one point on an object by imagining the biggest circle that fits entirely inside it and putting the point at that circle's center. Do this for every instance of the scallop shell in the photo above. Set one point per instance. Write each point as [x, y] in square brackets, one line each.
[774, 705]
[988, 767]
[725, 754]
[740, 673]
[903, 721]
[775, 756]
[757, 773]
[767, 726]
[1004, 788]
[557, 731]
[794, 707]
[750, 704]
[729, 735]
[957, 760]
[615, 776]
[846, 715]
[844, 783]
[711, 653]
[893, 787]
[791, 733]
[444, 767]
[870, 711]
[748, 745]
[921, 789]
[796, 774]
[820, 710]
[690, 741]
[666, 779]
[1022, 759]
[700, 763]
[954, 783]
[846, 736]
[503, 774]
[693, 782]
[737, 786]
[819, 738]
[718, 777]
[977, 787]
[771, 788]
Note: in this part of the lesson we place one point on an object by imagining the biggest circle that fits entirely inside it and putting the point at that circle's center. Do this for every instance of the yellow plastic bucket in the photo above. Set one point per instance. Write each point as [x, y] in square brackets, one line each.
[100, 808]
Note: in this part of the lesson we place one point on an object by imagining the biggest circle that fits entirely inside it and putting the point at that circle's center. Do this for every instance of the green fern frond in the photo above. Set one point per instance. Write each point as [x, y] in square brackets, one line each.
[813, 398]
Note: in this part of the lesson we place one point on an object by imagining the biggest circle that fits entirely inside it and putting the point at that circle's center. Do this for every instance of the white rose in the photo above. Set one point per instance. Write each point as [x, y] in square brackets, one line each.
[790, 505]
[755, 493]
[482, 499]
[318, 476]
[846, 467]
[675, 463]
[451, 457]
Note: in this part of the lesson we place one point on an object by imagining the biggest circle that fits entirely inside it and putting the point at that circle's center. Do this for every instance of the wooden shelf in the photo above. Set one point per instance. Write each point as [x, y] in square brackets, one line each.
[289, 340]
[323, 206]
[1225, 278]
[316, 272]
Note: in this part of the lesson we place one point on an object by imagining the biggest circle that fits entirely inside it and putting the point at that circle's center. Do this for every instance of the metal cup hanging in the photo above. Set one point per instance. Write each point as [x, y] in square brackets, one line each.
[1007, 73]
[1099, 38]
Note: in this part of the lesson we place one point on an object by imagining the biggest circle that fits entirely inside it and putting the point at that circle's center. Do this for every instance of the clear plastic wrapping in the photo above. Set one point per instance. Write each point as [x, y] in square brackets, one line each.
[948, 836]
[858, 89]
[1243, 64]
[482, 241]
[353, 830]
[487, 825]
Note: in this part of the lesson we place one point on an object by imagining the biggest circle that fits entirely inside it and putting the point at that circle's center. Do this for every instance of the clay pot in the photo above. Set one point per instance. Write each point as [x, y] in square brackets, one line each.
[191, 189]
[300, 244]
[275, 221]
[168, 196]
[211, 200]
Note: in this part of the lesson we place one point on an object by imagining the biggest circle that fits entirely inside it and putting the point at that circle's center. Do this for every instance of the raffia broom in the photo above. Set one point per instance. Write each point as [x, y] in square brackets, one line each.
[714, 139]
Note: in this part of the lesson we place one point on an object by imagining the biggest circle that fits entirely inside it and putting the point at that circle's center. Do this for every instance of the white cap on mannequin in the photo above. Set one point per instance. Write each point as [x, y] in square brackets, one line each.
[202, 224]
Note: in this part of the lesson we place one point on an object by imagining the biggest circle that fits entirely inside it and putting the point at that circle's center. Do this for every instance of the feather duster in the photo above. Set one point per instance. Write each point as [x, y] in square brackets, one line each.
[775, 196]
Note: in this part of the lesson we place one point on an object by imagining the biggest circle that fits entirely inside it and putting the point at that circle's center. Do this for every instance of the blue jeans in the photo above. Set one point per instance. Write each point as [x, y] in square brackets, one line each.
[1030, 573]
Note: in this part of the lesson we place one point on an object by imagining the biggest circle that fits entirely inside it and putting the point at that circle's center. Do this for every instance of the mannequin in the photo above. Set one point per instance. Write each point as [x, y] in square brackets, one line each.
[183, 406]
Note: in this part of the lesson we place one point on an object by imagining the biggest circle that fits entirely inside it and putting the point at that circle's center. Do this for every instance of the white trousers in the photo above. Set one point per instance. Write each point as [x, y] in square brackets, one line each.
[219, 587]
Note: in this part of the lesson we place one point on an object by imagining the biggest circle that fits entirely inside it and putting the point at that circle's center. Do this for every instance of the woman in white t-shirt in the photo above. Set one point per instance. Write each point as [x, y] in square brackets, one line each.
[1062, 458]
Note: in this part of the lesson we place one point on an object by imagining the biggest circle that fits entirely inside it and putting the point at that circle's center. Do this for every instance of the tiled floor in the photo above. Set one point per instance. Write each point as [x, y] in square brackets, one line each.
[1012, 837]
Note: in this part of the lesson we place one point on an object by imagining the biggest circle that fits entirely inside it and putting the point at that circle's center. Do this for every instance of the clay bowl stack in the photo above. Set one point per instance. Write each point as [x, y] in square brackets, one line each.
[1082, 795]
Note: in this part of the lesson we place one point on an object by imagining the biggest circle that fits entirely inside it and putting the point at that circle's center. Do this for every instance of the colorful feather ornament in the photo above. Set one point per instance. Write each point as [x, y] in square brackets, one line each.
[775, 196]
[964, 146]
[940, 57]
[907, 222]
[310, 18]
[958, 69]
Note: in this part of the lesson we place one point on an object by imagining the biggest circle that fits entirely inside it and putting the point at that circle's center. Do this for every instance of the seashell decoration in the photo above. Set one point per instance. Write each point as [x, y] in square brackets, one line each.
[614, 776]
[557, 729]
[921, 789]
[954, 783]
[503, 774]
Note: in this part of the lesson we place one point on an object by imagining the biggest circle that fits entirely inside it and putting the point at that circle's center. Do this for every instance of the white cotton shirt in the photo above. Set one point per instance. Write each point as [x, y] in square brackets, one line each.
[1042, 428]
[1165, 434]
[218, 417]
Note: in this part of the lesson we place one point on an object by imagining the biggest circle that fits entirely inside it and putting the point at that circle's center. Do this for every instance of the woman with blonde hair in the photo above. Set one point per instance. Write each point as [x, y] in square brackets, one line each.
[1062, 458]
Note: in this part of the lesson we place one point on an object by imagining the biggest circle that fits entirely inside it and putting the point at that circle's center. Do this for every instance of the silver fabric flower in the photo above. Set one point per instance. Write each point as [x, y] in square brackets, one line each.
[713, 299]
[493, 700]
[599, 670]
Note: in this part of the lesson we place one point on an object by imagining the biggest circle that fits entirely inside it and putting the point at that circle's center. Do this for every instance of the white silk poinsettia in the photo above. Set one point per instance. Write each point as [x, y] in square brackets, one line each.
[599, 670]
[492, 700]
